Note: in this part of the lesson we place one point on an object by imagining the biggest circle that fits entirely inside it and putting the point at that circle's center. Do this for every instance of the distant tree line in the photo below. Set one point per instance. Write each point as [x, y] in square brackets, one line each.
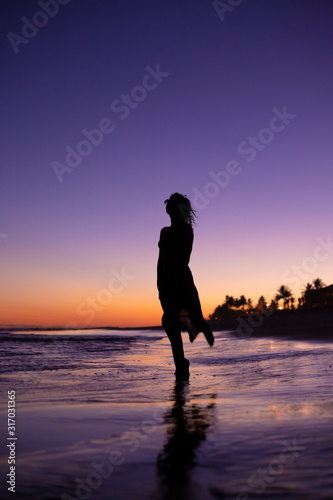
[314, 295]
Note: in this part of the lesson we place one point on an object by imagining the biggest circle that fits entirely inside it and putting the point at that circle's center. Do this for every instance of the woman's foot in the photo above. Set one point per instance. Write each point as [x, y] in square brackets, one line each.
[183, 371]
[208, 334]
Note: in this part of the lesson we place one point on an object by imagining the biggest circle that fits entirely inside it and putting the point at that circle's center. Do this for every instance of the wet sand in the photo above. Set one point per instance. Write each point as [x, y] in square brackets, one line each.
[254, 421]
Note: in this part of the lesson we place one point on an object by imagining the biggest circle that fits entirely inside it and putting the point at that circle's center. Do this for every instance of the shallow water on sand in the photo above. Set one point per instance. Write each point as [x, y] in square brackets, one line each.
[100, 416]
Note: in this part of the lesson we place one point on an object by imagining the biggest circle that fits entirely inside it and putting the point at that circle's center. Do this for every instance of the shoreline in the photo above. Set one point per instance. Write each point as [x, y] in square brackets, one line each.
[108, 419]
[311, 324]
[58, 328]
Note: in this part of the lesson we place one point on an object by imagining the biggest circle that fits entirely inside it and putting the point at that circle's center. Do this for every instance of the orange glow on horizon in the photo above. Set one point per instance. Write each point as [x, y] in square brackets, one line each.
[40, 297]
[78, 312]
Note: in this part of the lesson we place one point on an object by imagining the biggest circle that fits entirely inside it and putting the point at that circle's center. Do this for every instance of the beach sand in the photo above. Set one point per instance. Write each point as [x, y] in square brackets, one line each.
[99, 416]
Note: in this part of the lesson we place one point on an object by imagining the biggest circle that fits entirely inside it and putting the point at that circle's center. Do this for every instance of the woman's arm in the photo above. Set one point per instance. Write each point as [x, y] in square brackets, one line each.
[187, 245]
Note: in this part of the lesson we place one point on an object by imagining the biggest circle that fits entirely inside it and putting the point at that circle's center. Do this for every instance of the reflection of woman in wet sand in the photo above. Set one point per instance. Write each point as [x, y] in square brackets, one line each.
[188, 424]
[177, 292]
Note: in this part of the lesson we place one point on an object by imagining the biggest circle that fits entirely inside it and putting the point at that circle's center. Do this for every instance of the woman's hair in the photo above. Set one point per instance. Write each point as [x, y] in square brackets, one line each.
[180, 205]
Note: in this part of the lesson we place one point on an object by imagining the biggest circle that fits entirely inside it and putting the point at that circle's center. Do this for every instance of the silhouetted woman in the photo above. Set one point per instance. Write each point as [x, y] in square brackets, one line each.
[177, 292]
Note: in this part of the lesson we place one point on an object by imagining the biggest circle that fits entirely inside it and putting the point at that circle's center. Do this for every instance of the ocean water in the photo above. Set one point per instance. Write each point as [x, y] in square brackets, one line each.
[99, 415]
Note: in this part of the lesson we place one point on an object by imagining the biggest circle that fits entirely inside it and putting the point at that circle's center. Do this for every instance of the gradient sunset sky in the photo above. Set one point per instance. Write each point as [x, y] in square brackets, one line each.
[233, 109]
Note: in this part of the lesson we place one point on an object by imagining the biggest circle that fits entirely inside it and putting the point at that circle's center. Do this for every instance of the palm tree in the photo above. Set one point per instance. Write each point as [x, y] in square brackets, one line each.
[261, 306]
[306, 288]
[242, 302]
[217, 314]
[249, 305]
[273, 305]
[237, 303]
[307, 293]
[284, 293]
[230, 301]
[318, 283]
[312, 294]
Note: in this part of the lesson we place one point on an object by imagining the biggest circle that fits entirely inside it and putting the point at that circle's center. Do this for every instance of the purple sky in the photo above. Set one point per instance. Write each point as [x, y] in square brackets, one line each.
[222, 84]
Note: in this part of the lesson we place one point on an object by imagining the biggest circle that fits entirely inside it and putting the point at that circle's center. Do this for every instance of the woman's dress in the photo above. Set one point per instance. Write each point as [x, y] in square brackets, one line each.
[177, 291]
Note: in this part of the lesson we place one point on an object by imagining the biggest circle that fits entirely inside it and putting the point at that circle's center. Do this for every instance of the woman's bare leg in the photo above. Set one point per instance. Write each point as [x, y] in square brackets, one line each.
[171, 325]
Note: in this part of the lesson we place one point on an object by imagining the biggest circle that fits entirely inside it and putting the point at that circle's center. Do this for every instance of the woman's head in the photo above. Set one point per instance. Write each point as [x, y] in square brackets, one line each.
[178, 206]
